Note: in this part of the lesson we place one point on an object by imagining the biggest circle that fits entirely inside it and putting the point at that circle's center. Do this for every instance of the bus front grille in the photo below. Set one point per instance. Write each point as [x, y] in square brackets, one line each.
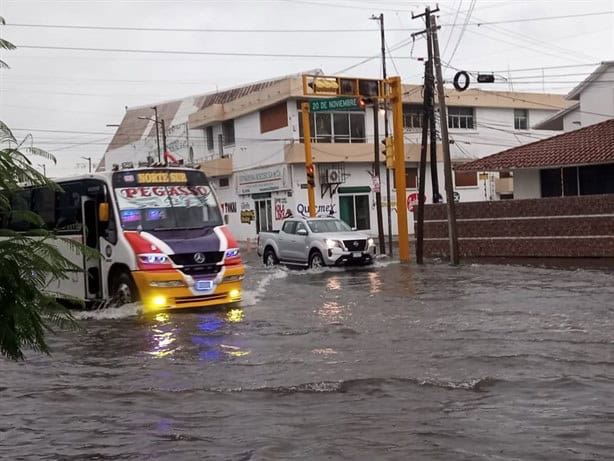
[198, 299]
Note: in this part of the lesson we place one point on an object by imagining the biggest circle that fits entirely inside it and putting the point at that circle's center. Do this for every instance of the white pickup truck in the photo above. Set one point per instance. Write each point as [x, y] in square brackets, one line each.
[315, 242]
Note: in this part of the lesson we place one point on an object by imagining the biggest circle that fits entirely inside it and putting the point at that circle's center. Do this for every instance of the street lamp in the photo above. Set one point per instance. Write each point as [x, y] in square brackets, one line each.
[89, 159]
[158, 122]
[44, 169]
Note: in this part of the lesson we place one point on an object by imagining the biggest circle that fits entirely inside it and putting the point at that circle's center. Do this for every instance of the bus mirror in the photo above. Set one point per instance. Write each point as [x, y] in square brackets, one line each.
[103, 212]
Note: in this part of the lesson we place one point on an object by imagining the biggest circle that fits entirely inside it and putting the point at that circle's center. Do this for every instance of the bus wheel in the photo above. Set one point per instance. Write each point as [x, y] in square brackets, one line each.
[124, 290]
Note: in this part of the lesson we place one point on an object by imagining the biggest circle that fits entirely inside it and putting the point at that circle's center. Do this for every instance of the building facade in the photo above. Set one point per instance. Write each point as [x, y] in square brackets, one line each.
[249, 141]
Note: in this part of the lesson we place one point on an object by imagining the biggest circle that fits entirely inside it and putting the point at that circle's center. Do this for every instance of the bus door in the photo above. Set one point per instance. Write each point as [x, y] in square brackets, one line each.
[90, 238]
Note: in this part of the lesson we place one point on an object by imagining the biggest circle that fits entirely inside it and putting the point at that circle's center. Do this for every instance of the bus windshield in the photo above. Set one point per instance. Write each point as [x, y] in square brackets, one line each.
[165, 200]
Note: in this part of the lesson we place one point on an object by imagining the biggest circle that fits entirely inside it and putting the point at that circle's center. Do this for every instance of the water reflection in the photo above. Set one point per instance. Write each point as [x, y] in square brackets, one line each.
[332, 311]
[164, 336]
[333, 283]
[375, 282]
[213, 338]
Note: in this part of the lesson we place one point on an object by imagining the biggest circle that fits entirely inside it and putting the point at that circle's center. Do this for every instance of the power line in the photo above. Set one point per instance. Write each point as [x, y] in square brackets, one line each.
[168, 29]
[199, 53]
[298, 31]
[543, 18]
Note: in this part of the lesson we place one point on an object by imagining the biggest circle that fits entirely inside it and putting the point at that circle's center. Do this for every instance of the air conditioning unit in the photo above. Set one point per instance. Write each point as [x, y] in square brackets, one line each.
[333, 176]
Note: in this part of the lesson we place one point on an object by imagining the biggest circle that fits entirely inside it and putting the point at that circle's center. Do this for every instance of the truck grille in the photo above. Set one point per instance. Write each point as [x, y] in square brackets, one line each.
[355, 245]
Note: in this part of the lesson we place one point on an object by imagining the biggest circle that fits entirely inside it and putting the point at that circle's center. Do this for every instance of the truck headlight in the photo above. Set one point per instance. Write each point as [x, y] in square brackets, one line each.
[371, 242]
[330, 243]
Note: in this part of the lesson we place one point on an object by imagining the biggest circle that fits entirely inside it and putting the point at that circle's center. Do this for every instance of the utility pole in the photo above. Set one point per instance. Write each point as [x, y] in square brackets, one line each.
[376, 177]
[431, 31]
[433, 125]
[163, 138]
[380, 18]
[447, 164]
[422, 174]
[155, 108]
[89, 159]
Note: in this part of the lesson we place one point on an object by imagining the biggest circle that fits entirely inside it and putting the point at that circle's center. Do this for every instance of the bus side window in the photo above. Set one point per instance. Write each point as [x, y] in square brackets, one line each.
[68, 209]
[20, 201]
[43, 204]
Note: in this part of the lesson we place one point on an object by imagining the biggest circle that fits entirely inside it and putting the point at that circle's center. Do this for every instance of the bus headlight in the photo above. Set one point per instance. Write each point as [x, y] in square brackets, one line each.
[167, 283]
[153, 258]
[158, 301]
[232, 253]
[235, 294]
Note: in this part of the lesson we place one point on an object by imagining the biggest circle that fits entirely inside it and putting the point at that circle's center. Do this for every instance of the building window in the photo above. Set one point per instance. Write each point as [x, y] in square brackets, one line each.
[274, 118]
[339, 127]
[224, 182]
[465, 178]
[461, 117]
[521, 119]
[228, 132]
[412, 117]
[209, 134]
[411, 178]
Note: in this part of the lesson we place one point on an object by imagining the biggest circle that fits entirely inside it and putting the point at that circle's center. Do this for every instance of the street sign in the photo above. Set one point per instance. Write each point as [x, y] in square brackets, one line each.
[320, 105]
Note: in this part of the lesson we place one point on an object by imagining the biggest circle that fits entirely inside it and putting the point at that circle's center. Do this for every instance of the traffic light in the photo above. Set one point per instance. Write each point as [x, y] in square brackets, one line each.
[310, 176]
[324, 85]
[389, 142]
[363, 102]
[486, 78]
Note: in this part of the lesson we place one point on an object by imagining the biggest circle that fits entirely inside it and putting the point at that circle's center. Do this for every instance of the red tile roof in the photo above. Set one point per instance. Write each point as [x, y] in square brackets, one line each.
[593, 144]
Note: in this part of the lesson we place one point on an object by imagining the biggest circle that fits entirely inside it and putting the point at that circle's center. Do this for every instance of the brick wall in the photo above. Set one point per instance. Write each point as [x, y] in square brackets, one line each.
[548, 227]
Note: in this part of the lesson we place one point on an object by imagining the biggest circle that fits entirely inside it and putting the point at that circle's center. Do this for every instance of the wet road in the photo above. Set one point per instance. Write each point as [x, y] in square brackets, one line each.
[394, 362]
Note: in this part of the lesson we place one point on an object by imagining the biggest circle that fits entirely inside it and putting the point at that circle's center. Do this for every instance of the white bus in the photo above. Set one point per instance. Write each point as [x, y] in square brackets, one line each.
[159, 232]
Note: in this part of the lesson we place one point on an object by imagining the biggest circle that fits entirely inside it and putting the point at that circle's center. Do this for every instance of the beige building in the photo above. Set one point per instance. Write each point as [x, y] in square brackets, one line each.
[249, 141]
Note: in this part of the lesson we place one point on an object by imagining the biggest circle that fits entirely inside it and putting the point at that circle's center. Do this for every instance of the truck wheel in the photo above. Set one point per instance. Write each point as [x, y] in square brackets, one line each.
[123, 290]
[269, 258]
[315, 260]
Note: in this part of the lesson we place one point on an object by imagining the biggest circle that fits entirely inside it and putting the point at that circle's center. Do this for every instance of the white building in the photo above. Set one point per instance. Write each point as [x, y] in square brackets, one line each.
[249, 141]
[594, 102]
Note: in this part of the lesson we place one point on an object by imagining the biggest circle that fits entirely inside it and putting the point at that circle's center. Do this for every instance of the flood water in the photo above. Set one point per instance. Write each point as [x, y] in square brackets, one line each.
[391, 362]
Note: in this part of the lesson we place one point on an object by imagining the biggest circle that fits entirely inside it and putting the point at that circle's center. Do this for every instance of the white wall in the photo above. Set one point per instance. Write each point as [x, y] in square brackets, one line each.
[527, 184]
[598, 98]
[572, 120]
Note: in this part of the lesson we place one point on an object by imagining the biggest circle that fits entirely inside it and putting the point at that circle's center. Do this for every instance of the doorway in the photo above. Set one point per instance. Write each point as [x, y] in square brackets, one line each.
[354, 211]
[264, 215]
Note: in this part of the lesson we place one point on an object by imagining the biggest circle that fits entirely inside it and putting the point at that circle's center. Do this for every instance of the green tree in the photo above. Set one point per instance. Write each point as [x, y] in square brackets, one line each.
[28, 261]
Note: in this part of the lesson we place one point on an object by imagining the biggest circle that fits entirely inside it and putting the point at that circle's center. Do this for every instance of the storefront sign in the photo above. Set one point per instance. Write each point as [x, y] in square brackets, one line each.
[281, 212]
[247, 216]
[303, 209]
[229, 207]
[261, 180]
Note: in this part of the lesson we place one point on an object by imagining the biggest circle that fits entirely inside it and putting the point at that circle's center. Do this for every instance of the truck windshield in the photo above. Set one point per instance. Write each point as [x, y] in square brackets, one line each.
[328, 225]
[165, 200]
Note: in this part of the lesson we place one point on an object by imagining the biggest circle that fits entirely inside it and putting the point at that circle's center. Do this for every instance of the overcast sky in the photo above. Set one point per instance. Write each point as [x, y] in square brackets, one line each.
[65, 98]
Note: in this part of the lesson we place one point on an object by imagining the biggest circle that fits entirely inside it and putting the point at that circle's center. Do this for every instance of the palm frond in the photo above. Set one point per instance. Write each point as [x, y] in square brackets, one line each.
[6, 45]
[40, 153]
[6, 131]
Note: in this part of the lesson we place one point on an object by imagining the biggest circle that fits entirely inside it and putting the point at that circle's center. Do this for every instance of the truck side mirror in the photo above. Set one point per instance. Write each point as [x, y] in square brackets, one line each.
[301, 232]
[103, 212]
